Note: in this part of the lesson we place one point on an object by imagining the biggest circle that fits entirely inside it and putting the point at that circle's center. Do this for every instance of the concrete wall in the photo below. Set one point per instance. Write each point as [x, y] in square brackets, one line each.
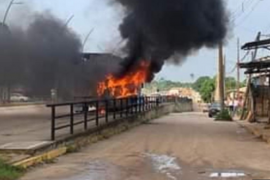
[180, 107]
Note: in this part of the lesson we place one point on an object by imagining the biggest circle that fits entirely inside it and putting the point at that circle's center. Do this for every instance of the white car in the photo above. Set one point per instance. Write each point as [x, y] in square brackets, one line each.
[16, 97]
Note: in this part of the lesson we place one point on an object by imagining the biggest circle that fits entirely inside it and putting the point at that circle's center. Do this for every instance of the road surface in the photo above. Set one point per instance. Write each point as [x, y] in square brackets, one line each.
[186, 146]
[24, 123]
[33, 123]
[29, 123]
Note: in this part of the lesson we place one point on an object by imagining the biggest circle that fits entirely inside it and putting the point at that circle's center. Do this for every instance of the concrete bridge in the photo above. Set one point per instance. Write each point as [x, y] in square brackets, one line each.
[38, 129]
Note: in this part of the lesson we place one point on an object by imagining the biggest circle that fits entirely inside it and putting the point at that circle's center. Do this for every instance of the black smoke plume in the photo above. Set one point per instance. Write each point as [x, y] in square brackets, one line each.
[54, 52]
[157, 30]
[43, 56]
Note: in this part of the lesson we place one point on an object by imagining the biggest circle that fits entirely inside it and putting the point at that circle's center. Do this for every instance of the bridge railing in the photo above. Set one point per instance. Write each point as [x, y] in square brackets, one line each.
[99, 112]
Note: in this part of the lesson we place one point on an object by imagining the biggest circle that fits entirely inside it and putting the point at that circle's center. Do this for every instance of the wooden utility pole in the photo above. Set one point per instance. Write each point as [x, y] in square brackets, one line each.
[220, 78]
[238, 68]
[224, 75]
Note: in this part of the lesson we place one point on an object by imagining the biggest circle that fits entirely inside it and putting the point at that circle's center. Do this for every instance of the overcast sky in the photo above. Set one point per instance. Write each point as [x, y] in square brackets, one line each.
[104, 18]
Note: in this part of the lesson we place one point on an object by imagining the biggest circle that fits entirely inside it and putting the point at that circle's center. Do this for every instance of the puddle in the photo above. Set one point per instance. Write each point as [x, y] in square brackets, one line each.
[165, 164]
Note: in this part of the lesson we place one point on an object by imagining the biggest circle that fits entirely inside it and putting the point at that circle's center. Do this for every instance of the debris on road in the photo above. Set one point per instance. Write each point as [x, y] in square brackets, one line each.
[229, 174]
[165, 164]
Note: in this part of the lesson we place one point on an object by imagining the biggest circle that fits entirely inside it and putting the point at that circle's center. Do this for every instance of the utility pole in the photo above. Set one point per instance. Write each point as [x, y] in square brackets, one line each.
[220, 78]
[86, 38]
[238, 68]
[69, 20]
[224, 75]
[8, 9]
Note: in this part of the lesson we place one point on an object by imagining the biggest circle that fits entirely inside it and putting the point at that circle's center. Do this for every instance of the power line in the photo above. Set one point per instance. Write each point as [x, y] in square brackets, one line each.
[238, 7]
[244, 57]
[252, 10]
[266, 35]
[267, 27]
[249, 30]
[241, 60]
[242, 10]
[232, 71]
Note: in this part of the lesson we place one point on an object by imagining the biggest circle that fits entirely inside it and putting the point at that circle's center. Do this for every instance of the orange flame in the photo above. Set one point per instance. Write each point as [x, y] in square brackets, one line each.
[127, 85]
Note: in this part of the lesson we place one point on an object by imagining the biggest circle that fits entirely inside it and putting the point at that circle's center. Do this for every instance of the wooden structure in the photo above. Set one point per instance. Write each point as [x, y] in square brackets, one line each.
[258, 95]
[258, 87]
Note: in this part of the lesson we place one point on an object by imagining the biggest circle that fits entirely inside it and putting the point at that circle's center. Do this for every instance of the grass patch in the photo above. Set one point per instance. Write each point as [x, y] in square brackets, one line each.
[223, 116]
[8, 172]
[72, 149]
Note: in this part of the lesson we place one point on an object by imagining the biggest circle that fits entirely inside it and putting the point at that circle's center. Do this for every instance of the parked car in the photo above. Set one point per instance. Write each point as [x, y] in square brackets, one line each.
[214, 109]
[205, 108]
[17, 97]
[80, 108]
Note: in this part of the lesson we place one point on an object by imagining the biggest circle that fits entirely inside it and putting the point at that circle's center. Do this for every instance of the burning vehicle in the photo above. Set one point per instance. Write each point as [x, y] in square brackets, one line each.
[118, 91]
[124, 86]
[124, 90]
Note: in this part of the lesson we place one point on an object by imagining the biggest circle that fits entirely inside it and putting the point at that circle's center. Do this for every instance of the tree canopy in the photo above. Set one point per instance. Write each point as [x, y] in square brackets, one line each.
[199, 82]
[164, 85]
[205, 85]
[207, 89]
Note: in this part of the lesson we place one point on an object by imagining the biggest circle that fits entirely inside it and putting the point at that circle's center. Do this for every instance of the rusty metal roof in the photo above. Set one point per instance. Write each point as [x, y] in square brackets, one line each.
[257, 44]
[259, 66]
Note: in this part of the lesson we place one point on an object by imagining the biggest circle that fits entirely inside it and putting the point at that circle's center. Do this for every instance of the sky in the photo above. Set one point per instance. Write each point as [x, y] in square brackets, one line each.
[102, 18]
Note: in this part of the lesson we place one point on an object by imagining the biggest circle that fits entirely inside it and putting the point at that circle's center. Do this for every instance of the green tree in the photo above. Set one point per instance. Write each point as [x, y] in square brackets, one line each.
[199, 82]
[244, 83]
[165, 85]
[230, 83]
[206, 90]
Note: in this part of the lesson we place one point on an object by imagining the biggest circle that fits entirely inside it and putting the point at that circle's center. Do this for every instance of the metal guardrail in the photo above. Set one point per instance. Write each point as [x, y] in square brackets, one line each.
[100, 110]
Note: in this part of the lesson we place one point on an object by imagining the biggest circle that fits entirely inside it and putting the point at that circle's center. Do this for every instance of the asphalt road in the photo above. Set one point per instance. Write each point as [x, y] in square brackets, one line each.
[186, 146]
[24, 123]
[33, 123]
[27, 123]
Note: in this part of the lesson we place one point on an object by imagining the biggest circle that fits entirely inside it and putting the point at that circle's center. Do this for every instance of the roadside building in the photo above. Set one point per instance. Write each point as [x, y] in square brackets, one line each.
[185, 93]
[258, 91]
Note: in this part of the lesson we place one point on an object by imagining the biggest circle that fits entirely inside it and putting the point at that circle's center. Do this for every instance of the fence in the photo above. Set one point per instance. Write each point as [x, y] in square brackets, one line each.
[99, 111]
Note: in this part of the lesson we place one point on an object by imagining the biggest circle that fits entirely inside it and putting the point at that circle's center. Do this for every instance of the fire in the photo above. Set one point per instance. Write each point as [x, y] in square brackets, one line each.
[127, 85]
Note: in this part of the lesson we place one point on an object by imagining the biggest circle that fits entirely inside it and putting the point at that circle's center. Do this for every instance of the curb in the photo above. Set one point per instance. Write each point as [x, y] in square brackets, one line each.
[76, 145]
[249, 128]
[256, 131]
[41, 158]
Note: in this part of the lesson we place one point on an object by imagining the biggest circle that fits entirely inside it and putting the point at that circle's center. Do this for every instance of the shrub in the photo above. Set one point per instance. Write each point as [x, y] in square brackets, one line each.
[8, 172]
[223, 116]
